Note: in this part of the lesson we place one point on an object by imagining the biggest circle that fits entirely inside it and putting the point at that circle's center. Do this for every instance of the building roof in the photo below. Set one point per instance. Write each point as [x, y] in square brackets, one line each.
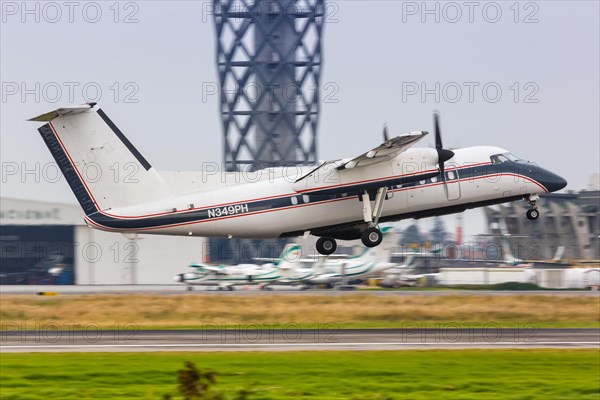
[34, 212]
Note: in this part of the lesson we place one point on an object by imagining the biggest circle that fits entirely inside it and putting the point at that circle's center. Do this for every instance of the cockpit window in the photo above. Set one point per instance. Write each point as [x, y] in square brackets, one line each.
[512, 157]
[504, 157]
[498, 158]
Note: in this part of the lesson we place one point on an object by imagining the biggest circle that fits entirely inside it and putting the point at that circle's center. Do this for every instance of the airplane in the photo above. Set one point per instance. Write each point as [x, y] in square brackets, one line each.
[510, 260]
[291, 269]
[415, 266]
[226, 277]
[371, 262]
[405, 276]
[342, 199]
[508, 257]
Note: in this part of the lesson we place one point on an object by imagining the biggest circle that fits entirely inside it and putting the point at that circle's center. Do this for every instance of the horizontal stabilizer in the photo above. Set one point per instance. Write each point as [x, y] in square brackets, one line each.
[49, 116]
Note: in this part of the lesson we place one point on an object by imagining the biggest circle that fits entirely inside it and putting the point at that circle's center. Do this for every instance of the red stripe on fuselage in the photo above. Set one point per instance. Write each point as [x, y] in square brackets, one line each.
[270, 197]
[309, 204]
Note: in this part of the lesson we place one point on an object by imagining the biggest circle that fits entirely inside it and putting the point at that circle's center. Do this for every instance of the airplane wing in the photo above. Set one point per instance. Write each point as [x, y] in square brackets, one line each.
[307, 260]
[218, 269]
[385, 151]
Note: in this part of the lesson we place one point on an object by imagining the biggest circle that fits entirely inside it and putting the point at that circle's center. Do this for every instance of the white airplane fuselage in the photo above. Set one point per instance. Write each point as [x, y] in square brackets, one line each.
[276, 206]
[231, 276]
[339, 272]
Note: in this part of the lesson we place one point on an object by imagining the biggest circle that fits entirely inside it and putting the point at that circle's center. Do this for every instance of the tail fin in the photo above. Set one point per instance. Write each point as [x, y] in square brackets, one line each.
[102, 167]
[383, 252]
[290, 257]
[560, 253]
[508, 256]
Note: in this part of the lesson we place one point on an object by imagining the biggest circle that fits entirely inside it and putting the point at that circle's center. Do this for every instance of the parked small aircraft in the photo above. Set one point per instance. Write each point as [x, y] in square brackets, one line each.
[371, 262]
[291, 269]
[226, 277]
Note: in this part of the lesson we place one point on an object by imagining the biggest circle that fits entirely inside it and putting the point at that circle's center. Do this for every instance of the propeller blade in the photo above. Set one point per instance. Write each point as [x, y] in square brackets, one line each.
[443, 154]
[437, 130]
[385, 133]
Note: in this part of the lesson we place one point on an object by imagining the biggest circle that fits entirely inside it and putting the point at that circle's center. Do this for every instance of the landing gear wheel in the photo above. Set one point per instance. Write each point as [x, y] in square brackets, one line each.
[326, 246]
[371, 237]
[533, 214]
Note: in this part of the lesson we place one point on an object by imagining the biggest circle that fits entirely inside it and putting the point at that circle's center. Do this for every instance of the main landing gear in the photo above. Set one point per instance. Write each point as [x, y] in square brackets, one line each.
[533, 213]
[371, 236]
[326, 246]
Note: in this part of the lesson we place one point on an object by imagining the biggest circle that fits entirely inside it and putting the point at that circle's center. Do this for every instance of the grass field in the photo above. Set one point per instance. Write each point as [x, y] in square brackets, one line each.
[344, 310]
[470, 374]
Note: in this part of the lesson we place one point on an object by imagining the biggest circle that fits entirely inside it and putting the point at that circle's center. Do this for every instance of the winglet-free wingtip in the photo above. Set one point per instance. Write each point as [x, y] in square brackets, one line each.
[49, 116]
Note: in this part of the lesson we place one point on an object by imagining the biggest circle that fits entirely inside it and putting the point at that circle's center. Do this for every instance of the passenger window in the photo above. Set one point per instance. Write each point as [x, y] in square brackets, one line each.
[294, 200]
[451, 175]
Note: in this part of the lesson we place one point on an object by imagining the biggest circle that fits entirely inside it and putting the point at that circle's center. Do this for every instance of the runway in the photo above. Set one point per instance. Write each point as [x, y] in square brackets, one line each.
[254, 290]
[290, 339]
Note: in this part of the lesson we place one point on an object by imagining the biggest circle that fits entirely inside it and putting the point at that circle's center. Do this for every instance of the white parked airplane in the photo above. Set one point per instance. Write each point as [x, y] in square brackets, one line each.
[332, 200]
[226, 277]
[371, 262]
[291, 269]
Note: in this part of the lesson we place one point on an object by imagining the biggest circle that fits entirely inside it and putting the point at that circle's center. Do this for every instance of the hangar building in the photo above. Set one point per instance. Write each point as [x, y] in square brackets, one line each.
[49, 243]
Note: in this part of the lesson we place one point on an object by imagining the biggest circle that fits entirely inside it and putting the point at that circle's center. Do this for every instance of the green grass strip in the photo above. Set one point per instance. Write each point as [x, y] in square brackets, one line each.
[447, 374]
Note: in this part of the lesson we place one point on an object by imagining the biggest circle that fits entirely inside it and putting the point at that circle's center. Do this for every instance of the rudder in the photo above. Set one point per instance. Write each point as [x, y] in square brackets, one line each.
[102, 167]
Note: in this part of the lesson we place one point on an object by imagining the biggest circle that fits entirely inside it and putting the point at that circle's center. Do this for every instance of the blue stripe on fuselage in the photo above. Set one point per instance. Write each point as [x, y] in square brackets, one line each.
[202, 215]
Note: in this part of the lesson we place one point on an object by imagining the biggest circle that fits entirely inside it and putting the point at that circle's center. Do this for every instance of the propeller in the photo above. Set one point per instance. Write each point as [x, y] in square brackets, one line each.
[443, 154]
[385, 133]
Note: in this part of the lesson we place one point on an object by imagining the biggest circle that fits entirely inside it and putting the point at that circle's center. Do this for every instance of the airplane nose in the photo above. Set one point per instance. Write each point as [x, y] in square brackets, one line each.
[553, 182]
[178, 278]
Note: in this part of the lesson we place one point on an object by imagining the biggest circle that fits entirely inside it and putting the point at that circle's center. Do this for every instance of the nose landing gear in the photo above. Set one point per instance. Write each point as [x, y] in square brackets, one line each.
[533, 213]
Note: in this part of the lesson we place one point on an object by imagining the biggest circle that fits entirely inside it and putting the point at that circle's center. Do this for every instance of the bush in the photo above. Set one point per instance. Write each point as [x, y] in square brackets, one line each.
[197, 384]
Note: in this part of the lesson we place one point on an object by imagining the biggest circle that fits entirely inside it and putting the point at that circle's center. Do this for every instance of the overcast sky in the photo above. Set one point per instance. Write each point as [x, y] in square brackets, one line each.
[543, 56]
